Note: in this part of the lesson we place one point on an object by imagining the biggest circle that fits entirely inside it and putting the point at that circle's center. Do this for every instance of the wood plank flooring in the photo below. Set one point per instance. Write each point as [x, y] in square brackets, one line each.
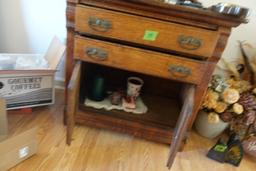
[101, 150]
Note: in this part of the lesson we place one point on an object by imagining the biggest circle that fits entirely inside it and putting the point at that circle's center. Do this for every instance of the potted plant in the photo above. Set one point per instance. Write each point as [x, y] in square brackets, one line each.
[221, 106]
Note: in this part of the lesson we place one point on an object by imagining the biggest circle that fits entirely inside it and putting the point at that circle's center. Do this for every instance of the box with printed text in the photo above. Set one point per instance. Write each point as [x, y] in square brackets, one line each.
[27, 80]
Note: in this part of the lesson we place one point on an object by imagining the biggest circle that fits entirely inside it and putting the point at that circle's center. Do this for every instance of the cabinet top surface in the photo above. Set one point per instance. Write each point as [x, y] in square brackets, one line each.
[165, 10]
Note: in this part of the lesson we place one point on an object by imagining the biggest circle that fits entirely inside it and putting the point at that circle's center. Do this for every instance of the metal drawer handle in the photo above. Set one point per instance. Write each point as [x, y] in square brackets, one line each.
[99, 24]
[179, 71]
[96, 53]
[189, 42]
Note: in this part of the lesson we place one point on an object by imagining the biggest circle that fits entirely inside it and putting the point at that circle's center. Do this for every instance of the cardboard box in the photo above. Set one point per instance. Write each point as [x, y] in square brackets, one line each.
[15, 149]
[32, 87]
[3, 121]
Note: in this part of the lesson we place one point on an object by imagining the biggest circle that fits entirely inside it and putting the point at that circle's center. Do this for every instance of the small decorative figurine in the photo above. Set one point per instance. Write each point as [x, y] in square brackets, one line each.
[116, 97]
[129, 102]
[230, 152]
[218, 151]
[235, 152]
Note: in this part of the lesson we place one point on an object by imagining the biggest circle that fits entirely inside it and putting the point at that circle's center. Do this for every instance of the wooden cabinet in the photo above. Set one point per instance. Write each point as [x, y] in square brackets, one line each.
[174, 49]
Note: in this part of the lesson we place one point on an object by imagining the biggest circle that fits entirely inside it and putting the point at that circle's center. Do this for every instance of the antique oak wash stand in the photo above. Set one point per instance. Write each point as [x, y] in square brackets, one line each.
[174, 49]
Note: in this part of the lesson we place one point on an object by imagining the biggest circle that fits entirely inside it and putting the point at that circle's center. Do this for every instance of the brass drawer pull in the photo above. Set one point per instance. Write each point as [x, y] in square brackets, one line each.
[189, 42]
[179, 71]
[96, 53]
[99, 24]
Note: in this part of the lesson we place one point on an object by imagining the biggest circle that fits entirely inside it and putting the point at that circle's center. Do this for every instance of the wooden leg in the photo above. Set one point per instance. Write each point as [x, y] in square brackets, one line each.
[70, 125]
[65, 115]
[200, 92]
[69, 67]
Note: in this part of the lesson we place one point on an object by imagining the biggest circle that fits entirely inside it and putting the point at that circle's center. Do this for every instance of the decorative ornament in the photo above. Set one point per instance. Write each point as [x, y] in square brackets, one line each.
[249, 117]
[248, 101]
[249, 145]
[226, 116]
[231, 152]
[213, 117]
[239, 127]
[230, 95]
[235, 152]
[210, 100]
[240, 85]
[237, 108]
[218, 83]
[221, 107]
[254, 91]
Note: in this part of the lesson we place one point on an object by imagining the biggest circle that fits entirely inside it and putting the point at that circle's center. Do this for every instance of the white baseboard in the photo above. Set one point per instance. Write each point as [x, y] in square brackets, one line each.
[59, 83]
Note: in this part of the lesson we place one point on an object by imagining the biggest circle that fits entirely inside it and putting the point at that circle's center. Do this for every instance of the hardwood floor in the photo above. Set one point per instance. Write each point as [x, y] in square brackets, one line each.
[101, 150]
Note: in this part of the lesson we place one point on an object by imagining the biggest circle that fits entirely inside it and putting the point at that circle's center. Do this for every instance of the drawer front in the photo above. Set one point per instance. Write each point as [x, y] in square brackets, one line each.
[145, 31]
[138, 60]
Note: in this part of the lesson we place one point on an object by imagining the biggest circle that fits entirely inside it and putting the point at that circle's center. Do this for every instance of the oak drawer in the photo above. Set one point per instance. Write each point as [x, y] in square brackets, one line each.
[146, 31]
[138, 60]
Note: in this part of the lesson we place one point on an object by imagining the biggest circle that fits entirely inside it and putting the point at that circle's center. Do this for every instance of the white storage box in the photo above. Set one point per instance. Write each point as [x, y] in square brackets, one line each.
[24, 85]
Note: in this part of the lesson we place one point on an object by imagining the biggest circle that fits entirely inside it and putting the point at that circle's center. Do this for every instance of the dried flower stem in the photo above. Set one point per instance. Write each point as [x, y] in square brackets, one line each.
[247, 63]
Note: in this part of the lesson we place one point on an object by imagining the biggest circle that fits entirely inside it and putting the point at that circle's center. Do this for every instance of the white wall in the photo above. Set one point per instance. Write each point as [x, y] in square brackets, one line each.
[242, 32]
[27, 26]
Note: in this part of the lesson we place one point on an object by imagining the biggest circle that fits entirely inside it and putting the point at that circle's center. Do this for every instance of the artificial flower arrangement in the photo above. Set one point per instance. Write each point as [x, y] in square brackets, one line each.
[233, 99]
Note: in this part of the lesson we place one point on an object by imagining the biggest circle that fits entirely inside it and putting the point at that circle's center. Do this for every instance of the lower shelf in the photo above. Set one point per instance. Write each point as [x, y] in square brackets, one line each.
[156, 125]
